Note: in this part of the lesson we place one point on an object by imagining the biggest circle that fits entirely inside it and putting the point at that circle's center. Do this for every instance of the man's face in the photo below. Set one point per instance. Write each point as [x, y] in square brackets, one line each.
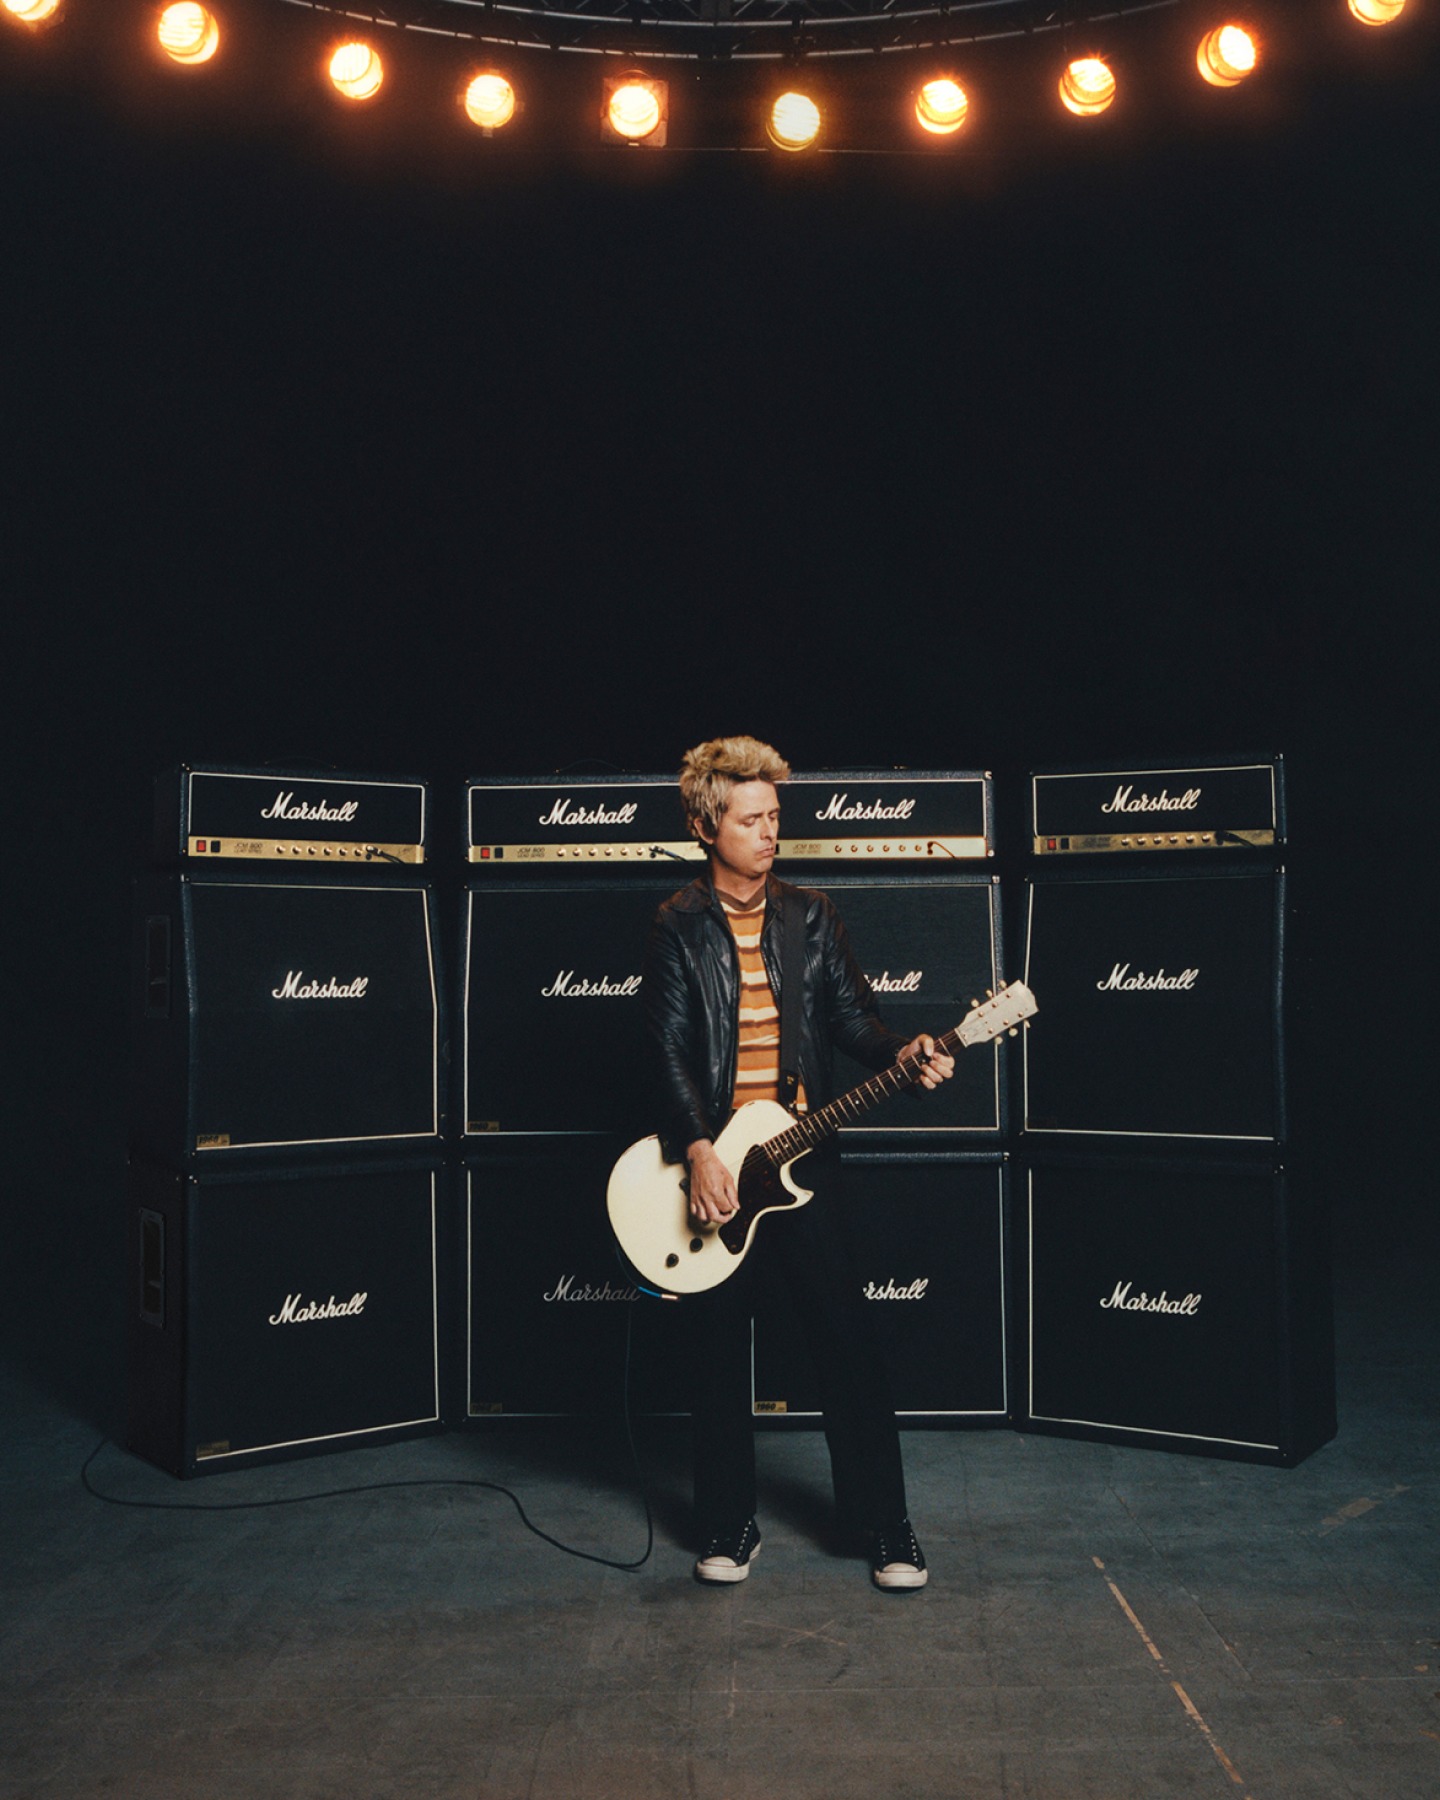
[744, 846]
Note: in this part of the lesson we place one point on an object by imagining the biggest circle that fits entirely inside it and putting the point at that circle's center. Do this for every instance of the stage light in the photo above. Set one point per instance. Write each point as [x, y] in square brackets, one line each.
[637, 109]
[1226, 55]
[188, 33]
[941, 106]
[1087, 87]
[1377, 12]
[490, 101]
[357, 71]
[32, 12]
[794, 122]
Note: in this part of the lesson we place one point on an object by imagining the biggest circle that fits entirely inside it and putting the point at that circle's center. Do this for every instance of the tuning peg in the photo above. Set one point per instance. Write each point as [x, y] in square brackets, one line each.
[974, 1003]
[1013, 1032]
[989, 993]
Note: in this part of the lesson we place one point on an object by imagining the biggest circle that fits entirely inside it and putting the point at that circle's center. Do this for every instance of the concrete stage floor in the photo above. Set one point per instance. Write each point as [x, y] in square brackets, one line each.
[1123, 1624]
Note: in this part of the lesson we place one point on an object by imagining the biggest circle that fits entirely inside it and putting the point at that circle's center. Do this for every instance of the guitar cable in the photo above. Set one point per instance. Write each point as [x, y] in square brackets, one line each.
[378, 1487]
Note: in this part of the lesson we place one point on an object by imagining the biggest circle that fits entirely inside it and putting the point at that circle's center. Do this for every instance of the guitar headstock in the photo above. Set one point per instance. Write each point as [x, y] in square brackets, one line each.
[1002, 1012]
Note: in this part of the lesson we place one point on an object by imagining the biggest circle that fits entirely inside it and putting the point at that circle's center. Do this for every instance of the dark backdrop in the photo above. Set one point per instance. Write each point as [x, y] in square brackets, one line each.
[324, 449]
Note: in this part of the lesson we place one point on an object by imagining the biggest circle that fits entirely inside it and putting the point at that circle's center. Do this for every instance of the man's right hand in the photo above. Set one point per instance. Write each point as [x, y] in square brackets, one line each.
[713, 1198]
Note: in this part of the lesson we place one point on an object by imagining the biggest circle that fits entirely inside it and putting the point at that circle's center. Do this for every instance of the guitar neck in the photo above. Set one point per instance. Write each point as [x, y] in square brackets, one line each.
[810, 1131]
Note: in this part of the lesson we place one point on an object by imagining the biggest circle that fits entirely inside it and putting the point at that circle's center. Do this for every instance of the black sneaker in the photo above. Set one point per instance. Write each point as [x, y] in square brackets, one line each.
[729, 1554]
[897, 1563]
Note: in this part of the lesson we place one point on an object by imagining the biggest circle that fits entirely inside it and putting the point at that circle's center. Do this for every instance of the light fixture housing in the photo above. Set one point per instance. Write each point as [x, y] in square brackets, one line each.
[356, 71]
[941, 106]
[793, 122]
[188, 33]
[1087, 87]
[635, 110]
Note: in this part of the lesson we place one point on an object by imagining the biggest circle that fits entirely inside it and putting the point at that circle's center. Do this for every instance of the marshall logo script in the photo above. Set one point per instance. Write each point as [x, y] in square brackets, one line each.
[840, 807]
[287, 807]
[568, 1287]
[566, 987]
[915, 1291]
[296, 1311]
[1121, 981]
[887, 983]
[1128, 801]
[296, 987]
[563, 813]
[1122, 1300]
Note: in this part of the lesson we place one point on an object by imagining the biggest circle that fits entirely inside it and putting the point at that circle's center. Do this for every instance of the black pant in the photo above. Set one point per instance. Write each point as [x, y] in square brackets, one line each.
[807, 1250]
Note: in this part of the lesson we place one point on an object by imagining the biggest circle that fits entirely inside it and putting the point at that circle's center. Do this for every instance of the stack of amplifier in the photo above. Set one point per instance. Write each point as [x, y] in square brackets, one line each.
[564, 880]
[1087, 1231]
[286, 1179]
[1175, 1291]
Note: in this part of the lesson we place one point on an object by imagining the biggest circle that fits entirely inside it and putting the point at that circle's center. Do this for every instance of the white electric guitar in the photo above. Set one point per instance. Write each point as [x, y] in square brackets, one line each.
[649, 1200]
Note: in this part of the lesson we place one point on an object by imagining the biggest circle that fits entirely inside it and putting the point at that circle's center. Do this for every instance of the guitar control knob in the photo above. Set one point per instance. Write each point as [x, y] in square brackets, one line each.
[671, 1260]
[697, 1243]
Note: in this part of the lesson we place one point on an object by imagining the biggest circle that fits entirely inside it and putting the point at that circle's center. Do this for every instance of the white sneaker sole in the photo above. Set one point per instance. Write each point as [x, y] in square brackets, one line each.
[721, 1570]
[899, 1577]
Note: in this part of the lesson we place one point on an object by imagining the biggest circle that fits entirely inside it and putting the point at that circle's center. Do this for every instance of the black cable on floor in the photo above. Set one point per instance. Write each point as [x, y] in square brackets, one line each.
[378, 1487]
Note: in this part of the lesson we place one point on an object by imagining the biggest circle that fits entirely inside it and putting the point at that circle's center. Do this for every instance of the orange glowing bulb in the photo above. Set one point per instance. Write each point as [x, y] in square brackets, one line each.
[1087, 87]
[941, 106]
[634, 110]
[1377, 12]
[357, 71]
[1227, 55]
[794, 122]
[188, 33]
[32, 12]
[490, 101]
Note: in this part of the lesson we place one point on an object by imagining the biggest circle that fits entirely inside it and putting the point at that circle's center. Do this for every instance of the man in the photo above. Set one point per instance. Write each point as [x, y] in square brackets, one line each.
[712, 994]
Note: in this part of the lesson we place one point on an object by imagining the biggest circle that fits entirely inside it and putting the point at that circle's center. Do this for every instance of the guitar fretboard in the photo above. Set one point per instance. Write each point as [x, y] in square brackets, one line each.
[812, 1130]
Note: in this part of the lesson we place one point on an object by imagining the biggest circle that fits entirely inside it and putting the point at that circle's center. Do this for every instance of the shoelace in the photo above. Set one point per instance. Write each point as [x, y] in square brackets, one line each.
[897, 1547]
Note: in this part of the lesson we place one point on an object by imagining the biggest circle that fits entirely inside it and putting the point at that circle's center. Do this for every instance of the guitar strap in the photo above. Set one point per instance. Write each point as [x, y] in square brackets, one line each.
[792, 967]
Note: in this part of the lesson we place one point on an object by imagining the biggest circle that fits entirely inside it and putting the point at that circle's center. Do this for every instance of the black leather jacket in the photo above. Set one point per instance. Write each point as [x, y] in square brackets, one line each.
[691, 1000]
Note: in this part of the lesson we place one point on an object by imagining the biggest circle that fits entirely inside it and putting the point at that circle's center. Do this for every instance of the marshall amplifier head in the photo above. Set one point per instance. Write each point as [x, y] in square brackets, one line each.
[593, 822]
[890, 815]
[1227, 805]
[345, 822]
[550, 1311]
[283, 1013]
[1161, 1006]
[619, 821]
[929, 1234]
[554, 1040]
[930, 945]
[1177, 1306]
[281, 1313]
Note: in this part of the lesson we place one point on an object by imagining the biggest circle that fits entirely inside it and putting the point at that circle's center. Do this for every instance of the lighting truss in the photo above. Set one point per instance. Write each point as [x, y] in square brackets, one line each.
[731, 30]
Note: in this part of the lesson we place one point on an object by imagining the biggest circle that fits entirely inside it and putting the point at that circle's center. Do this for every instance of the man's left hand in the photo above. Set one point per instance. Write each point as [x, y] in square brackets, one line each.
[938, 1066]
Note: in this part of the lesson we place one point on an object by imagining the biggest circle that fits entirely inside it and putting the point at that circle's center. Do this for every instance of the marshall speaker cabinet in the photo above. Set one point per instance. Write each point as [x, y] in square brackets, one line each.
[1160, 1005]
[281, 1313]
[930, 1237]
[1176, 1305]
[554, 1042]
[331, 822]
[552, 1316]
[279, 1012]
[930, 945]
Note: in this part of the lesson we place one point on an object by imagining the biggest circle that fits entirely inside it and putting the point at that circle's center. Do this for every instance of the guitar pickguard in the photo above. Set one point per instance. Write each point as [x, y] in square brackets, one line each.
[759, 1189]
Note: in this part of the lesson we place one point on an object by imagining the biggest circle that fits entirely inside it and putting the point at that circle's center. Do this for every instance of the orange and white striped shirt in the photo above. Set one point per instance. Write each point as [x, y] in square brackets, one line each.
[757, 1062]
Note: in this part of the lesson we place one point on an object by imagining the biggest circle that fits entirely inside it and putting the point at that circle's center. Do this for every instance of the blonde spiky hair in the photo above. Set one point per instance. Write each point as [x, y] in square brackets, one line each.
[711, 770]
